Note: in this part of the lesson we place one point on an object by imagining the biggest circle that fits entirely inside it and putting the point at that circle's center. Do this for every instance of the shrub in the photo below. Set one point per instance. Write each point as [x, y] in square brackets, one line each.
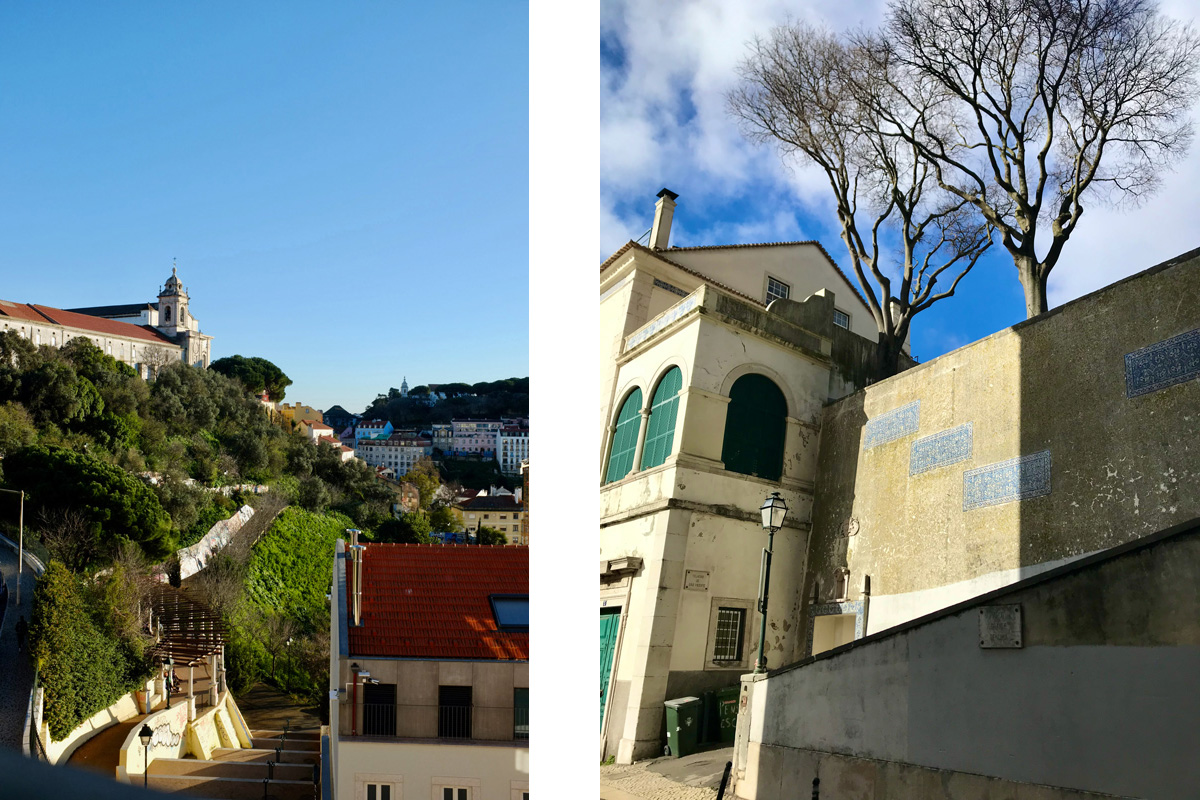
[82, 669]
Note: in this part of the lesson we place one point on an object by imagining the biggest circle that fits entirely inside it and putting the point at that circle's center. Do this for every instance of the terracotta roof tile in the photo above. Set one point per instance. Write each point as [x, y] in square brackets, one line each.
[662, 254]
[72, 319]
[431, 601]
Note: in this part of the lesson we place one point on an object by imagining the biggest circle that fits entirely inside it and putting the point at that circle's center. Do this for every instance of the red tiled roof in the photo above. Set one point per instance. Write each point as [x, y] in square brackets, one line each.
[489, 503]
[39, 313]
[431, 601]
[660, 253]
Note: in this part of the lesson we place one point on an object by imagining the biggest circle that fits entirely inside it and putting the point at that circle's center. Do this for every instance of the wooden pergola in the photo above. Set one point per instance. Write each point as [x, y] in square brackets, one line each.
[189, 634]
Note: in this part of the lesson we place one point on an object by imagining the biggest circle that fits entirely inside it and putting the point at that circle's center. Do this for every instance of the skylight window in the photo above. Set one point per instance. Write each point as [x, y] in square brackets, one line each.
[511, 611]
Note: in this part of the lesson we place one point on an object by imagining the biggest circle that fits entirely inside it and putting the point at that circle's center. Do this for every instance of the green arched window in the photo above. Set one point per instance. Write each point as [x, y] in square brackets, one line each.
[660, 431]
[755, 428]
[620, 458]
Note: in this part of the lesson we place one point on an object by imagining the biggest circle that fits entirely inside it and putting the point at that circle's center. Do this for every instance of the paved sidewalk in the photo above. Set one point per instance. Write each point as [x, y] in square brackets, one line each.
[16, 669]
[694, 777]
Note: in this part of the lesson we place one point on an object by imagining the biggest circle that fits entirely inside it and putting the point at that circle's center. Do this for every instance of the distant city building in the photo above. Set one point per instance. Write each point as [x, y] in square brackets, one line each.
[404, 387]
[525, 500]
[372, 429]
[399, 452]
[345, 453]
[512, 447]
[145, 336]
[503, 513]
[297, 413]
[443, 437]
[315, 430]
[475, 437]
[339, 419]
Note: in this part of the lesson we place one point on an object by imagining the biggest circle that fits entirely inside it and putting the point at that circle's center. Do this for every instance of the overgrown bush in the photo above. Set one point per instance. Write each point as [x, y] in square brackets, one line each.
[82, 668]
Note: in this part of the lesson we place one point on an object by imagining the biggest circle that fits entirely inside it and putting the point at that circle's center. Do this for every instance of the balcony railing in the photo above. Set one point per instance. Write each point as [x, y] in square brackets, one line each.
[478, 723]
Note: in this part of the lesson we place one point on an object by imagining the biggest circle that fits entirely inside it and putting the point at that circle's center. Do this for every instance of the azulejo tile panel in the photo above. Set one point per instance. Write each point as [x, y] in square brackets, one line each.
[941, 449]
[670, 287]
[857, 607]
[1020, 478]
[1164, 364]
[891, 426]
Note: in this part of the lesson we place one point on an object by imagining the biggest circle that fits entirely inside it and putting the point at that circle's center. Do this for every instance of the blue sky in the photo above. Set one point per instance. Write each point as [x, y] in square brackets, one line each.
[345, 186]
[665, 71]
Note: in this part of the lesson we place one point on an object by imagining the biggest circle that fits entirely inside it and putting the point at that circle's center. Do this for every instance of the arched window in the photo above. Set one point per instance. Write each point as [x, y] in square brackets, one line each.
[755, 428]
[167, 314]
[660, 431]
[620, 459]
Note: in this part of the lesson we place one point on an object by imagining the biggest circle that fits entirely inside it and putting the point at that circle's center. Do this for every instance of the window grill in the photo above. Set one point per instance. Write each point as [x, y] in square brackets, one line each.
[730, 624]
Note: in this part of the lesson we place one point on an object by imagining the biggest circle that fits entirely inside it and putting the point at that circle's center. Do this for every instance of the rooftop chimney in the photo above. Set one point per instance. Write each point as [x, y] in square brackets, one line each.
[356, 559]
[664, 210]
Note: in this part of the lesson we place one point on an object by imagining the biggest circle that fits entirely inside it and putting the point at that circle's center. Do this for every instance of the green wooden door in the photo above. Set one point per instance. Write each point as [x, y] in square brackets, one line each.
[608, 642]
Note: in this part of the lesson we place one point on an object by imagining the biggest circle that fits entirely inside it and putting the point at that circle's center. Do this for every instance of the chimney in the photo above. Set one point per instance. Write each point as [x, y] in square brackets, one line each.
[664, 210]
[356, 559]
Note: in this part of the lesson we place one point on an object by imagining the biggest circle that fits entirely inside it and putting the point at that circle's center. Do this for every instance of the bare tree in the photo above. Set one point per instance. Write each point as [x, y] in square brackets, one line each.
[69, 536]
[221, 584]
[1037, 104]
[814, 95]
[155, 358]
[277, 634]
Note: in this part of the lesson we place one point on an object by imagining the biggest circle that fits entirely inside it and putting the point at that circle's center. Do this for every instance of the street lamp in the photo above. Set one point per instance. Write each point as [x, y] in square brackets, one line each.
[773, 511]
[145, 734]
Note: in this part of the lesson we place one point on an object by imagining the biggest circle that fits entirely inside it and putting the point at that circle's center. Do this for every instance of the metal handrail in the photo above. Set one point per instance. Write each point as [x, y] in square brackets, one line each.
[444, 721]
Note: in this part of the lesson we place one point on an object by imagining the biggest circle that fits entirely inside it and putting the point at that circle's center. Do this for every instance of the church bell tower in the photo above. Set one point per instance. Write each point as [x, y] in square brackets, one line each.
[172, 306]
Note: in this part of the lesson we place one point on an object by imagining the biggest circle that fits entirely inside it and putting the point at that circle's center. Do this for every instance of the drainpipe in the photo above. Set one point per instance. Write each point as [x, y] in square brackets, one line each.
[354, 702]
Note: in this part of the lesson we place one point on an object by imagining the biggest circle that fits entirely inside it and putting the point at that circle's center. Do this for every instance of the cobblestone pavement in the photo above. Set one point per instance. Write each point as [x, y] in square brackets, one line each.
[16, 670]
[694, 777]
[634, 780]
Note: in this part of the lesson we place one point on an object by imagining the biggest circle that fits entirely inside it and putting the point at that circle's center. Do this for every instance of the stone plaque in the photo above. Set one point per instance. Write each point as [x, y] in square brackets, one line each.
[695, 579]
[1000, 626]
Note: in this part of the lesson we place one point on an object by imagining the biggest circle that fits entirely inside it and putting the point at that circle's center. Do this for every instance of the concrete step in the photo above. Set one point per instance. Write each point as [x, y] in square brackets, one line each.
[308, 735]
[230, 788]
[262, 743]
[228, 769]
[263, 756]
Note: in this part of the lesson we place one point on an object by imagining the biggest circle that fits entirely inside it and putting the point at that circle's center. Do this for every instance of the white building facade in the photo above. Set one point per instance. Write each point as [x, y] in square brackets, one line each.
[146, 336]
[399, 452]
[512, 447]
[712, 392]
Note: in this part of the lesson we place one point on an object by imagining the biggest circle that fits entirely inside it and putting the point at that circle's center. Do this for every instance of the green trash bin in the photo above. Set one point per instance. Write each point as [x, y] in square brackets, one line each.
[683, 725]
[727, 711]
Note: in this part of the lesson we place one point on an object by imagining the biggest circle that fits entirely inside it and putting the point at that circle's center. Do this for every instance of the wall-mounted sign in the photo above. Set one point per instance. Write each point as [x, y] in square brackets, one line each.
[695, 579]
[1000, 626]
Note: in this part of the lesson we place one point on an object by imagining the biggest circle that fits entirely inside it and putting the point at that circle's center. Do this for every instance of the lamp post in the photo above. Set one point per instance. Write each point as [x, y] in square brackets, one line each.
[145, 734]
[773, 511]
[21, 538]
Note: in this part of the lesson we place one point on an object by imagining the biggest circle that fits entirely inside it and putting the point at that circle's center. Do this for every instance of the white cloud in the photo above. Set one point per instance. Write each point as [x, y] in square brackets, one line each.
[664, 123]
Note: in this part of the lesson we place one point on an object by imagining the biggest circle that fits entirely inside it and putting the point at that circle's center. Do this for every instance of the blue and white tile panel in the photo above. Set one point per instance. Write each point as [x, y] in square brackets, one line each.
[891, 426]
[941, 449]
[1020, 478]
[663, 320]
[858, 608]
[1164, 364]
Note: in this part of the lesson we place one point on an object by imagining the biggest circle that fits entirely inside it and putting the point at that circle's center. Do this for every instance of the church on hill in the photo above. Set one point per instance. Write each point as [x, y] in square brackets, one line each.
[144, 335]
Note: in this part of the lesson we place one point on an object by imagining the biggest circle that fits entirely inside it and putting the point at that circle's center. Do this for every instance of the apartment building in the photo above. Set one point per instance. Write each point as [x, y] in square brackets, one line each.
[429, 703]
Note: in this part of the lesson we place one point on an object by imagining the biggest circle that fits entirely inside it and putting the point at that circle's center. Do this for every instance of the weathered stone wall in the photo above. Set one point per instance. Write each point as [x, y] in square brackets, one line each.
[1095, 396]
[1100, 697]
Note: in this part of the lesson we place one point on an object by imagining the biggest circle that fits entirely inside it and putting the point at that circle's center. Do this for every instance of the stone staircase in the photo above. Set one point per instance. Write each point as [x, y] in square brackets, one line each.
[239, 774]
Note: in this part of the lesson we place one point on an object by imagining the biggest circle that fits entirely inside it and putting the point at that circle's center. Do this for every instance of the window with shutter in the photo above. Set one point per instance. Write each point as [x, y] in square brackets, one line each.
[620, 459]
[660, 431]
[755, 428]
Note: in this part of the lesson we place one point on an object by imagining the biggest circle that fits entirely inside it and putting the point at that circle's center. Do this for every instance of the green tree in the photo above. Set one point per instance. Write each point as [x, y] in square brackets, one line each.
[424, 475]
[412, 528]
[256, 374]
[117, 505]
[491, 536]
[16, 428]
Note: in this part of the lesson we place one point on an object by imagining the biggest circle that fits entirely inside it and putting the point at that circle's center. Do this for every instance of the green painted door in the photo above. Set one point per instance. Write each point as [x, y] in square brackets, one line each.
[608, 642]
